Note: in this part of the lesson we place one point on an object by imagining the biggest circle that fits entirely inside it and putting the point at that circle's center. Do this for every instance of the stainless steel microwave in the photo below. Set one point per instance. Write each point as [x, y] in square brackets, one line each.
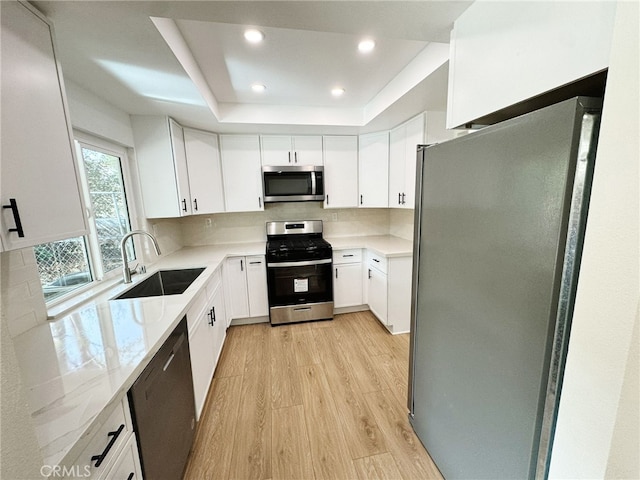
[293, 183]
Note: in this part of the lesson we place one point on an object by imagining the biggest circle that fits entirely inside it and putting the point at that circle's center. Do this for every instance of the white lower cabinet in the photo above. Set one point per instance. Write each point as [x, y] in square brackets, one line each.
[389, 290]
[207, 330]
[127, 465]
[347, 278]
[246, 286]
[101, 457]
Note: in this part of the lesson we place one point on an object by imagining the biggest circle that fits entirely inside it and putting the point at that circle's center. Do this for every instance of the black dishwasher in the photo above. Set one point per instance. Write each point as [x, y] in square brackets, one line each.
[163, 409]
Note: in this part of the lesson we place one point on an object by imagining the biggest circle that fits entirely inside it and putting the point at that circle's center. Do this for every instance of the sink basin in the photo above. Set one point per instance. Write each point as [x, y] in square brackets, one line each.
[163, 282]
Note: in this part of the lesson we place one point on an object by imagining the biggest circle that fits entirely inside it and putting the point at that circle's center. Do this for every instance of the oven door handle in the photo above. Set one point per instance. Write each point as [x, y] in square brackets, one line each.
[305, 263]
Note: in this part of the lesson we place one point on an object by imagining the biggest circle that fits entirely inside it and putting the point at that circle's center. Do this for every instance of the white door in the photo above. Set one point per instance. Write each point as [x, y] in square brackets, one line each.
[373, 170]
[180, 165]
[378, 294]
[236, 272]
[397, 151]
[201, 351]
[414, 137]
[241, 173]
[307, 150]
[341, 171]
[257, 286]
[276, 150]
[38, 169]
[205, 172]
[347, 285]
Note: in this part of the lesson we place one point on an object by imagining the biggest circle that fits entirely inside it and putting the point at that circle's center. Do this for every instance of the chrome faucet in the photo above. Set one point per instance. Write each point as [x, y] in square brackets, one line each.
[123, 251]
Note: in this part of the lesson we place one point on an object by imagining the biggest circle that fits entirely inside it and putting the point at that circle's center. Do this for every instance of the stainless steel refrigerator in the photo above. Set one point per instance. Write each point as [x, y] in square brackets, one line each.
[499, 222]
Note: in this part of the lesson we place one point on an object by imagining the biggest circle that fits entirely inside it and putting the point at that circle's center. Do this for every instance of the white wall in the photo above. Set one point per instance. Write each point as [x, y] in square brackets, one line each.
[93, 115]
[597, 403]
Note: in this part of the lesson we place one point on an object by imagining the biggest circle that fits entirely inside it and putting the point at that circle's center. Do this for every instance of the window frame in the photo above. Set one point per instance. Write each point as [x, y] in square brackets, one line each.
[100, 278]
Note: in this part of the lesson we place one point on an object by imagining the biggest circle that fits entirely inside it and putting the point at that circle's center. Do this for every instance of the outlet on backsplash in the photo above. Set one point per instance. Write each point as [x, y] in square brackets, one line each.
[334, 217]
[208, 224]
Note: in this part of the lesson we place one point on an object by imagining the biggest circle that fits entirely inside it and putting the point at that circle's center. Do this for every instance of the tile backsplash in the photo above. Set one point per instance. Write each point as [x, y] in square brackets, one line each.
[21, 291]
[250, 226]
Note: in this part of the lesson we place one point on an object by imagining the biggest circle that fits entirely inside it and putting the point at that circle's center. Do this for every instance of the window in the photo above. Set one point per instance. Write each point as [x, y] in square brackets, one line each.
[70, 264]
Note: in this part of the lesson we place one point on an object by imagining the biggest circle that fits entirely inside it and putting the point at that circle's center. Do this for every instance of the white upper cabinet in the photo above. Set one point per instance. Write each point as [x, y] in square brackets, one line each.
[373, 170]
[241, 173]
[341, 171]
[502, 53]
[403, 143]
[38, 171]
[278, 150]
[162, 165]
[205, 171]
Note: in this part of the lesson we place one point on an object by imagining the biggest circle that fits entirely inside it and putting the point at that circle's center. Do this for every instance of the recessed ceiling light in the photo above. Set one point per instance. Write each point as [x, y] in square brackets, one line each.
[337, 92]
[258, 87]
[365, 46]
[253, 36]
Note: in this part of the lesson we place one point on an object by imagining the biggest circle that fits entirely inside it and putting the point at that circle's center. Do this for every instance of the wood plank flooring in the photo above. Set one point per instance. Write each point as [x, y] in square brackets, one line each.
[319, 400]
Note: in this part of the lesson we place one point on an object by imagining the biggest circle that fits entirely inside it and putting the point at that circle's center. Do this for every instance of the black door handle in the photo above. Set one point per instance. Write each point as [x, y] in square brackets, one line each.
[114, 436]
[184, 204]
[13, 205]
[195, 204]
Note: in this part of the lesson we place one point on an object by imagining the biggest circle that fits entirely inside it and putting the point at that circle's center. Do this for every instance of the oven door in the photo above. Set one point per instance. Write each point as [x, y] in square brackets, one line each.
[300, 282]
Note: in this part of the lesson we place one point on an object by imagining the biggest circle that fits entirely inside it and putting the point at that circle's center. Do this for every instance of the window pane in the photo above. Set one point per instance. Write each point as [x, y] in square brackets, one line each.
[63, 266]
[109, 202]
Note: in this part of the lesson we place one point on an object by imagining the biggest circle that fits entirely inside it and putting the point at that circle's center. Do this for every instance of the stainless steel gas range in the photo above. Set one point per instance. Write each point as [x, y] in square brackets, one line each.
[299, 268]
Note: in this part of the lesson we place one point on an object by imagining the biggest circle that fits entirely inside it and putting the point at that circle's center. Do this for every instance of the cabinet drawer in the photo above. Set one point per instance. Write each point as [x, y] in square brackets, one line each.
[214, 282]
[127, 465]
[106, 443]
[352, 255]
[193, 314]
[377, 261]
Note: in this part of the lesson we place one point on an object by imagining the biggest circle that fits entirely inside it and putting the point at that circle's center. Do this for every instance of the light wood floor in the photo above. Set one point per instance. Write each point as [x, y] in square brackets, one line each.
[323, 400]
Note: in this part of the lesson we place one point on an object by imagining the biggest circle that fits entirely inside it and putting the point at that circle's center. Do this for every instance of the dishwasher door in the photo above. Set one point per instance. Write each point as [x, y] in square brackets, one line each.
[163, 409]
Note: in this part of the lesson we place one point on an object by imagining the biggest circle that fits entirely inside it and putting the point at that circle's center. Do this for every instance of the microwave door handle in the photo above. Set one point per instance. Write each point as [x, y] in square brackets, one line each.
[313, 183]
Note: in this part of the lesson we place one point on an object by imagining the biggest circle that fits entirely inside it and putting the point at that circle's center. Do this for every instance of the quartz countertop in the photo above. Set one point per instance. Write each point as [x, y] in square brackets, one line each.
[76, 368]
[385, 245]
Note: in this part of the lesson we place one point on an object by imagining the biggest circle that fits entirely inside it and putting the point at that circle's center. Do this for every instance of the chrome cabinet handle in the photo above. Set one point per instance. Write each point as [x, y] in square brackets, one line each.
[13, 205]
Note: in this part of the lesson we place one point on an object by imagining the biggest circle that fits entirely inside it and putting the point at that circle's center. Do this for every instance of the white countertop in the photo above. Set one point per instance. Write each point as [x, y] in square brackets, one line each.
[76, 368]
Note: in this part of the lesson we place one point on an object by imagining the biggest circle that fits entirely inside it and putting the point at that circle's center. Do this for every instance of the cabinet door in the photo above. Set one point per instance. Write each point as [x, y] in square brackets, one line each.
[397, 151]
[378, 294]
[236, 275]
[257, 286]
[307, 150]
[201, 350]
[220, 323]
[38, 168]
[373, 170]
[399, 280]
[276, 150]
[241, 172]
[341, 172]
[205, 172]
[414, 136]
[127, 465]
[347, 285]
[180, 166]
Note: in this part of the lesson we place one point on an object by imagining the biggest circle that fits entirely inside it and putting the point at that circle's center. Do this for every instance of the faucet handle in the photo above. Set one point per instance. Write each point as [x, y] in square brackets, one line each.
[140, 269]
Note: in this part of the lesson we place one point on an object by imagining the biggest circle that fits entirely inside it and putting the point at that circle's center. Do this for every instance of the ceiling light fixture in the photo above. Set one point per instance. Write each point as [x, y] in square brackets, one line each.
[253, 36]
[258, 87]
[337, 92]
[366, 46]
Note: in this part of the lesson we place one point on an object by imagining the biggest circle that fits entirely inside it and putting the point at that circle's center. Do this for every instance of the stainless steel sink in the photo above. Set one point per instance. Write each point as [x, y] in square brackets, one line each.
[163, 282]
